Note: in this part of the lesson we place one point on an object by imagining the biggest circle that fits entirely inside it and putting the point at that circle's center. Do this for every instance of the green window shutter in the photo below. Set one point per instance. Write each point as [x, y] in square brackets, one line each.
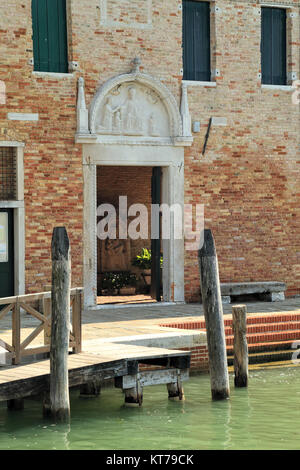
[49, 24]
[196, 41]
[273, 46]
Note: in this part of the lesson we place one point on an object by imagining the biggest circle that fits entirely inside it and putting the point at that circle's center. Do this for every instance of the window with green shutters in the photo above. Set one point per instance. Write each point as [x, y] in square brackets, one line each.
[196, 41]
[49, 23]
[273, 46]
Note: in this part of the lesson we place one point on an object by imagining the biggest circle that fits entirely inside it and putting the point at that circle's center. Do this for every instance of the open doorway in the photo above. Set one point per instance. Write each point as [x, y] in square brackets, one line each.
[129, 268]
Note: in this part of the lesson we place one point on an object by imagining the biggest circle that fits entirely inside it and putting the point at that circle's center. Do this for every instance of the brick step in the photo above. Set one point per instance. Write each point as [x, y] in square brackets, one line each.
[267, 327]
[251, 320]
[262, 319]
[266, 319]
[266, 347]
[266, 356]
[274, 336]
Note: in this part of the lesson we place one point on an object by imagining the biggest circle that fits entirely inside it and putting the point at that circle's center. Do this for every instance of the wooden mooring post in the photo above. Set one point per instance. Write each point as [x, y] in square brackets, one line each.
[90, 389]
[213, 311]
[59, 402]
[239, 325]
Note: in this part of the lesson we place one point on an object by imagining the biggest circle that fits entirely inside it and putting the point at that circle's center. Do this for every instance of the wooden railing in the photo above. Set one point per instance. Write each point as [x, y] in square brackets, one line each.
[38, 306]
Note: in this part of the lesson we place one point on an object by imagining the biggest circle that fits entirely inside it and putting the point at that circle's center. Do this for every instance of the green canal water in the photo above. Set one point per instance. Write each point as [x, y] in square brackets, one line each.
[264, 416]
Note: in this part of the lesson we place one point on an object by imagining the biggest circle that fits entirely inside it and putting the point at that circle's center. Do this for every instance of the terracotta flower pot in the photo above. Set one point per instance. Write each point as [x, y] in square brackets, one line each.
[147, 276]
[127, 291]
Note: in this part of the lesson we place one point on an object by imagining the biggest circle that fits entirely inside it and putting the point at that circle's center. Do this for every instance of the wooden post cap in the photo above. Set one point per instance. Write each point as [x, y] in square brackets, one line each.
[208, 247]
[60, 243]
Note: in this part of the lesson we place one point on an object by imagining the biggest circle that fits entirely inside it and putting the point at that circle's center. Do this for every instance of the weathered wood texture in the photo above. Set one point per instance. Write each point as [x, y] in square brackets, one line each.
[213, 311]
[239, 324]
[17, 350]
[76, 321]
[112, 361]
[175, 391]
[91, 389]
[34, 379]
[60, 325]
[16, 333]
[153, 377]
[134, 395]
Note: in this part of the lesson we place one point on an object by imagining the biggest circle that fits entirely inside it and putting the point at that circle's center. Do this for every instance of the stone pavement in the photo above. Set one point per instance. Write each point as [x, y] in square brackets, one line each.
[107, 322]
[113, 321]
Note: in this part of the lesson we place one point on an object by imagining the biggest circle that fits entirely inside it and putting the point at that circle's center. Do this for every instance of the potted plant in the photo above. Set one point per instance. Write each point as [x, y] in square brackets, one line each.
[128, 284]
[143, 261]
[110, 283]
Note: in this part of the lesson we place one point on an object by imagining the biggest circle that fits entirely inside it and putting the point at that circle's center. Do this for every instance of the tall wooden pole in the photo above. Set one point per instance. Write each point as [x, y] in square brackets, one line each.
[239, 324]
[213, 311]
[60, 326]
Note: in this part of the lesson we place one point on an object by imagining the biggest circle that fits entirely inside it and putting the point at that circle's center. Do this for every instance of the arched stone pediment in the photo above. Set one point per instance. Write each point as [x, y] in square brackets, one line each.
[136, 105]
[135, 108]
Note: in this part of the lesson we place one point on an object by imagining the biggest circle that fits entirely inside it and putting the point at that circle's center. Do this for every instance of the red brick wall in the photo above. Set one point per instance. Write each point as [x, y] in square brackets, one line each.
[248, 178]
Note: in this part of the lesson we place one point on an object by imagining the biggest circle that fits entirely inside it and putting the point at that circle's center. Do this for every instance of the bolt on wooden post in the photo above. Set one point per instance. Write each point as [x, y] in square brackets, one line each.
[60, 326]
[239, 325]
[213, 311]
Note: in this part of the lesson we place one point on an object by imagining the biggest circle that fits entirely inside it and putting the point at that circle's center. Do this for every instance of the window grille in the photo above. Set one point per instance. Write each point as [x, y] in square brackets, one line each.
[8, 173]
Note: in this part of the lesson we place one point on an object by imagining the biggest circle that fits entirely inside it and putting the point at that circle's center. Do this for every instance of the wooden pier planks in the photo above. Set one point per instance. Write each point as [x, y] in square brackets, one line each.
[108, 360]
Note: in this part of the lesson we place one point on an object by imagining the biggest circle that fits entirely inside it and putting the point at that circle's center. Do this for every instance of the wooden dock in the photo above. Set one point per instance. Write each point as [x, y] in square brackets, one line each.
[87, 369]
[112, 361]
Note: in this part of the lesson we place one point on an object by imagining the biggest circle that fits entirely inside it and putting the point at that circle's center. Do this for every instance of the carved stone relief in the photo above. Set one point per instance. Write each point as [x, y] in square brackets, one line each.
[132, 109]
[115, 255]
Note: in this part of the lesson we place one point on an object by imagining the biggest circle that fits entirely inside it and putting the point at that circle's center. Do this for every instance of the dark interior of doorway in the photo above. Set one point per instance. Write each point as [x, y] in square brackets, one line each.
[120, 277]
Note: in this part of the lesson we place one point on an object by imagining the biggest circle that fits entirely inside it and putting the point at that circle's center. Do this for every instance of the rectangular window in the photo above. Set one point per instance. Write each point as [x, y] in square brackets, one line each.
[273, 46]
[49, 24]
[196, 41]
[8, 174]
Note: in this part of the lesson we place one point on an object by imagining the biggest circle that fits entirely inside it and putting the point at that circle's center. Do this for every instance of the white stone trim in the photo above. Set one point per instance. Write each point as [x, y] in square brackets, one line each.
[185, 112]
[106, 22]
[19, 242]
[89, 234]
[20, 174]
[276, 5]
[56, 75]
[219, 121]
[120, 140]
[196, 83]
[278, 87]
[146, 80]
[88, 134]
[11, 143]
[11, 204]
[171, 159]
[22, 116]
[19, 218]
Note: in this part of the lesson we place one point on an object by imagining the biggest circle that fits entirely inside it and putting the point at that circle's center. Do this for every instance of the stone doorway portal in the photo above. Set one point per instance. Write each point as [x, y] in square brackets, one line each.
[134, 120]
[124, 265]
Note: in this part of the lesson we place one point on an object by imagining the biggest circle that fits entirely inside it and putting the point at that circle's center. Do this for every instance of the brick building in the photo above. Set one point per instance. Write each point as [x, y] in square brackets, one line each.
[209, 102]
